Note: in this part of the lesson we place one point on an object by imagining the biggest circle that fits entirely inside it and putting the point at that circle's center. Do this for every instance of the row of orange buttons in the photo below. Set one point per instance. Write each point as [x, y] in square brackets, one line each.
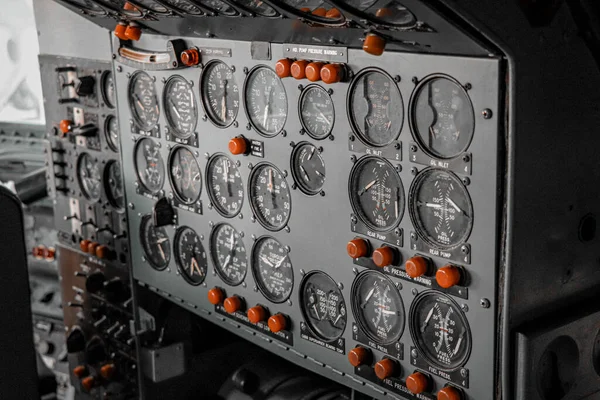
[256, 314]
[107, 371]
[313, 71]
[96, 249]
[416, 383]
[42, 252]
[447, 276]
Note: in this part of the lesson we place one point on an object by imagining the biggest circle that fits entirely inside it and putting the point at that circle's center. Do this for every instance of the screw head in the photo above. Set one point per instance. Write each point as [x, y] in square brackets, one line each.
[487, 113]
[414, 353]
[414, 292]
[485, 303]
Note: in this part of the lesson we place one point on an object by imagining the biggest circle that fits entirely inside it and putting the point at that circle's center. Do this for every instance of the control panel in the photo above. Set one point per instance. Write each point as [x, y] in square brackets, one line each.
[336, 208]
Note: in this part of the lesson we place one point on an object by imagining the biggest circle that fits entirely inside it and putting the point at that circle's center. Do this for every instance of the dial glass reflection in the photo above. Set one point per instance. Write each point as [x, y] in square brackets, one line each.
[229, 254]
[323, 306]
[272, 270]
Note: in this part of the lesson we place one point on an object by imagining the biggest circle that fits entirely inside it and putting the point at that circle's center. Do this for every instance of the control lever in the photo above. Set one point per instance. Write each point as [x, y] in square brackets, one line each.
[86, 130]
[163, 213]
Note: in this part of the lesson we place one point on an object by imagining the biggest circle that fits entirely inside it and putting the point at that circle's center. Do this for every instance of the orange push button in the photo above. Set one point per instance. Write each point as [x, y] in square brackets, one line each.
[215, 296]
[87, 383]
[120, 31]
[448, 276]
[313, 71]
[283, 68]
[107, 371]
[298, 69]
[320, 12]
[384, 256]
[357, 248]
[38, 252]
[332, 73]
[417, 383]
[416, 266]
[449, 393]
[232, 304]
[84, 244]
[49, 253]
[190, 57]
[133, 33]
[79, 371]
[334, 13]
[277, 323]
[359, 356]
[374, 45]
[238, 146]
[65, 126]
[92, 248]
[386, 368]
[257, 314]
[103, 252]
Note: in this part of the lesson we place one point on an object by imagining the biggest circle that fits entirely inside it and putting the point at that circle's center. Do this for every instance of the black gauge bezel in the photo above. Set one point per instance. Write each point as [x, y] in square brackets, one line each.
[351, 93]
[80, 182]
[295, 173]
[105, 98]
[253, 206]
[107, 192]
[209, 189]
[214, 257]
[182, 272]
[412, 116]
[132, 110]
[136, 167]
[372, 20]
[356, 309]
[204, 96]
[171, 179]
[148, 259]
[302, 303]
[256, 274]
[413, 195]
[212, 12]
[304, 125]
[168, 117]
[177, 10]
[113, 146]
[253, 71]
[415, 335]
[355, 207]
[292, 12]
[252, 13]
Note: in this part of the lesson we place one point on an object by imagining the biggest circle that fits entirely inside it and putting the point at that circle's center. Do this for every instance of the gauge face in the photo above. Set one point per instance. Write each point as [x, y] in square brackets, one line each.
[259, 7]
[149, 165]
[308, 168]
[152, 6]
[155, 243]
[272, 270]
[376, 108]
[184, 6]
[185, 175]
[190, 256]
[113, 181]
[218, 7]
[440, 330]
[317, 113]
[378, 307]
[229, 254]
[143, 101]
[443, 120]
[323, 306]
[441, 209]
[108, 89]
[90, 177]
[385, 11]
[270, 197]
[180, 107]
[225, 185]
[111, 131]
[220, 94]
[266, 101]
[377, 194]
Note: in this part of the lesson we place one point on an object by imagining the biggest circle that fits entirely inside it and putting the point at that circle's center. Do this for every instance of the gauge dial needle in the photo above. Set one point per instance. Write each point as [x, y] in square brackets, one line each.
[459, 342]
[266, 261]
[223, 102]
[453, 204]
[432, 205]
[139, 102]
[227, 261]
[174, 107]
[364, 304]
[270, 185]
[232, 241]
[337, 319]
[316, 312]
[195, 267]
[366, 188]
[424, 326]
[280, 263]
[162, 252]
[432, 132]
[388, 312]
[306, 177]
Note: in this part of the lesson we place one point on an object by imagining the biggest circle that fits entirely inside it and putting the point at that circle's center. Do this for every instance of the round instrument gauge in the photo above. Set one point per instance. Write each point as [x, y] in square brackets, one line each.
[149, 165]
[258, 7]
[440, 208]
[143, 101]
[317, 113]
[220, 94]
[376, 108]
[229, 254]
[384, 12]
[155, 244]
[184, 6]
[111, 132]
[87, 6]
[440, 330]
[272, 270]
[270, 197]
[378, 307]
[107, 88]
[185, 175]
[376, 193]
[218, 7]
[323, 306]
[266, 101]
[113, 185]
[225, 185]
[180, 107]
[152, 6]
[90, 177]
[190, 256]
[308, 168]
[442, 117]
